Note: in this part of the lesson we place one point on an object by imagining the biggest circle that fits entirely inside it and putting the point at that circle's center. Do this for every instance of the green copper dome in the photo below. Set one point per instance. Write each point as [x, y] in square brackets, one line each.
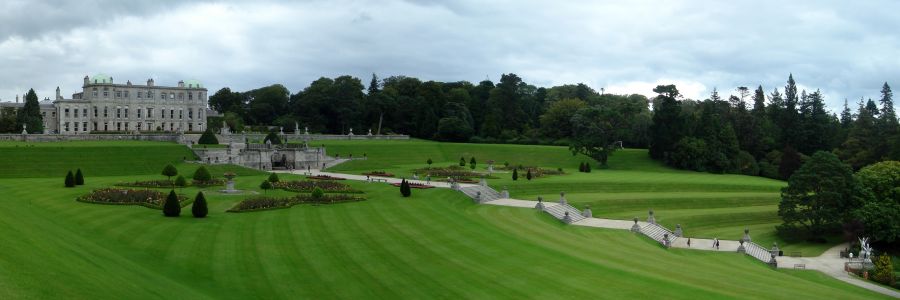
[193, 83]
[101, 78]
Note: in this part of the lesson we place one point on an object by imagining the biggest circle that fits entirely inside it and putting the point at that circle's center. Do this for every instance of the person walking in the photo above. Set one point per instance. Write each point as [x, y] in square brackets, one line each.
[689, 242]
[717, 244]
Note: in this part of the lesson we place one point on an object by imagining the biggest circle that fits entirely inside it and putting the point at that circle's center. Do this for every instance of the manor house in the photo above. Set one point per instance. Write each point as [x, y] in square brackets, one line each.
[104, 106]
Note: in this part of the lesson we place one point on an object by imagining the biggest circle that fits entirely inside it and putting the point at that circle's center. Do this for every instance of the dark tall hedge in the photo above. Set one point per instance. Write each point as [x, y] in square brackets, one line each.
[515, 175]
[79, 178]
[404, 189]
[272, 136]
[199, 209]
[528, 174]
[70, 179]
[208, 138]
[171, 208]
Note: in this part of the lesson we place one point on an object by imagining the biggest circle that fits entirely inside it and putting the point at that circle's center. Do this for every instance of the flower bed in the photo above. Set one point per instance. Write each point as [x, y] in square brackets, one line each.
[415, 185]
[535, 171]
[148, 184]
[207, 183]
[379, 173]
[266, 203]
[307, 186]
[324, 177]
[451, 171]
[147, 198]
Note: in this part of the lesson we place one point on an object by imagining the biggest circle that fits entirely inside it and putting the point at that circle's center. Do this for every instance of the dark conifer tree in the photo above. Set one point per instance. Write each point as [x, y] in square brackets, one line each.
[273, 178]
[79, 177]
[587, 167]
[666, 129]
[515, 175]
[171, 207]
[198, 208]
[790, 162]
[208, 138]
[70, 179]
[30, 114]
[405, 190]
[528, 174]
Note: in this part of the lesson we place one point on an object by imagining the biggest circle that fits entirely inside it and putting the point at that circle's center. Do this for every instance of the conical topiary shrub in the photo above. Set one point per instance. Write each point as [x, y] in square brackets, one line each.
[70, 179]
[198, 208]
[528, 174]
[515, 175]
[180, 181]
[405, 191]
[171, 208]
[79, 178]
[202, 174]
[273, 178]
[208, 138]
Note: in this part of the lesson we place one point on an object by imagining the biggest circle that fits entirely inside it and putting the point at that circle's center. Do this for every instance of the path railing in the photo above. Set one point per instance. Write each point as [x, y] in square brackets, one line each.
[758, 252]
[559, 210]
[658, 233]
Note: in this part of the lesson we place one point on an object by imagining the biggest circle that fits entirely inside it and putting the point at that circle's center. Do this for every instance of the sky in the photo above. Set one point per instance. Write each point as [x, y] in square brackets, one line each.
[846, 49]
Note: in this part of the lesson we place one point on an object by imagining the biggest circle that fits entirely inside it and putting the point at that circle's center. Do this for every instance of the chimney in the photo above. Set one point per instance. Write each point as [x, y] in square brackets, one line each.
[17, 98]
[181, 83]
[150, 82]
[58, 95]
[128, 83]
[86, 80]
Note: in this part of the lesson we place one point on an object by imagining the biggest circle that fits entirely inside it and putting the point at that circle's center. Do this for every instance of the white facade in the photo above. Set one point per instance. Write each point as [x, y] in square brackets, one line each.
[104, 106]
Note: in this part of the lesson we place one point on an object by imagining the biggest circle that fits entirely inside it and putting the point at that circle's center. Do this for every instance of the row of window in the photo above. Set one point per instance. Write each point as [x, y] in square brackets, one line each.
[123, 113]
[148, 94]
[107, 126]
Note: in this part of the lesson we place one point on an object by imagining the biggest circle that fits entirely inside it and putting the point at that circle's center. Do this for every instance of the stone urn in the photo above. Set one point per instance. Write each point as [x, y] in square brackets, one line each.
[229, 182]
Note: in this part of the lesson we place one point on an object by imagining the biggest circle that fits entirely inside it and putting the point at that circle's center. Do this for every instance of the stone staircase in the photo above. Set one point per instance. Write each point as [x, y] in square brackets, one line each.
[487, 193]
[657, 233]
[757, 252]
[559, 211]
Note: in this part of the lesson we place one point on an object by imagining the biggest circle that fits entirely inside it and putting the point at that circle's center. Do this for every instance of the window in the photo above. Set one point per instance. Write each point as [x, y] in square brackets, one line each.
[139, 125]
[127, 128]
[44, 114]
[76, 126]
[118, 94]
[95, 115]
[190, 113]
[95, 125]
[180, 96]
[162, 95]
[105, 92]
[118, 126]
[75, 115]
[53, 114]
[105, 126]
[139, 97]
[84, 112]
[95, 93]
[105, 115]
[149, 114]
[67, 113]
[181, 114]
[172, 96]
[126, 94]
[118, 113]
[190, 95]
[67, 126]
[149, 94]
[190, 126]
[139, 112]
[172, 113]
[126, 113]
[84, 126]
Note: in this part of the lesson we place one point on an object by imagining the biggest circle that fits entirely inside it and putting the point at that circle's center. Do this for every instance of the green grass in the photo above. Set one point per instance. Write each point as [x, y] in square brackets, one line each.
[22, 160]
[436, 244]
[706, 205]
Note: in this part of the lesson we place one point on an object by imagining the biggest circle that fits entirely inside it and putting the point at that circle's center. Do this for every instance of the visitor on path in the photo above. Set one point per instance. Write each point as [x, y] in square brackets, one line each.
[367, 179]
[689, 242]
[717, 243]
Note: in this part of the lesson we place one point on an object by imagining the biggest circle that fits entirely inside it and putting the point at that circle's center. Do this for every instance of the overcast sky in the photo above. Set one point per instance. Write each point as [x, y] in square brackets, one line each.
[848, 49]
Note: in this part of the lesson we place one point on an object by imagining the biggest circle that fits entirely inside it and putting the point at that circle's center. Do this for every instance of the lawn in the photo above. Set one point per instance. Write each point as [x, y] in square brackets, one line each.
[436, 244]
[706, 205]
[20, 159]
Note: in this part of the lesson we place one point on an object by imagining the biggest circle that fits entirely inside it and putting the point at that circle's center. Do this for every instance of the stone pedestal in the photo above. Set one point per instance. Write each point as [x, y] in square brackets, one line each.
[678, 232]
[587, 213]
[746, 237]
[562, 198]
[775, 251]
[567, 219]
[650, 218]
[477, 197]
[540, 204]
[666, 241]
[504, 194]
[741, 248]
[635, 227]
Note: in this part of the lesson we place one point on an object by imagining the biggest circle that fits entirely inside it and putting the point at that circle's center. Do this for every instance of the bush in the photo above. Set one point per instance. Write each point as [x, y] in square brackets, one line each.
[171, 208]
[429, 161]
[405, 191]
[202, 174]
[79, 178]
[265, 185]
[70, 179]
[272, 137]
[528, 174]
[318, 193]
[587, 167]
[199, 209]
[462, 161]
[581, 167]
[147, 198]
[169, 171]
[273, 178]
[180, 181]
[208, 138]
[884, 270]
[515, 175]
[746, 164]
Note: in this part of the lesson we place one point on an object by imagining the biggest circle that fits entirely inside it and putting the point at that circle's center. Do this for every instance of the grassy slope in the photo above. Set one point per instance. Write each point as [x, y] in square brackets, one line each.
[707, 205]
[21, 159]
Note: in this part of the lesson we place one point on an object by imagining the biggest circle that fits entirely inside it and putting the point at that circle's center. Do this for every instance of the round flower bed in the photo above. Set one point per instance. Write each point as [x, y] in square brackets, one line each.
[207, 183]
[148, 184]
[148, 198]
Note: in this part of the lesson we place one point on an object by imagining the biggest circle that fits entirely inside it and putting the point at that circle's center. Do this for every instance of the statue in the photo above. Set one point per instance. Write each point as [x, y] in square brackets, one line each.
[24, 127]
[306, 130]
[281, 130]
[296, 128]
[351, 131]
[225, 130]
[651, 219]
[865, 250]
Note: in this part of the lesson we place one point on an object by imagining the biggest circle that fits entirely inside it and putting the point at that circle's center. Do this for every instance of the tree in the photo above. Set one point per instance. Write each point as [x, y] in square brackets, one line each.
[820, 195]
[453, 129]
[198, 208]
[596, 129]
[30, 114]
[202, 174]
[472, 163]
[318, 193]
[208, 138]
[79, 178]
[70, 179]
[405, 190]
[515, 175]
[666, 129]
[884, 270]
[272, 137]
[556, 122]
[429, 162]
[273, 178]
[858, 149]
[179, 181]
[883, 179]
[265, 186]
[224, 101]
[462, 161]
[888, 128]
[528, 174]
[581, 167]
[790, 162]
[881, 220]
[169, 171]
[587, 167]
[171, 207]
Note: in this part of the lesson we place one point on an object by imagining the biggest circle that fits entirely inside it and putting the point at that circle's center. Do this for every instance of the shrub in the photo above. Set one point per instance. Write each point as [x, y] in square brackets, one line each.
[171, 208]
[429, 161]
[528, 174]
[79, 178]
[462, 161]
[405, 191]
[587, 167]
[208, 138]
[472, 163]
[179, 181]
[273, 137]
[265, 185]
[318, 193]
[70, 179]
[273, 178]
[199, 209]
[581, 167]
[884, 270]
[308, 186]
[515, 175]
[169, 171]
[202, 174]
